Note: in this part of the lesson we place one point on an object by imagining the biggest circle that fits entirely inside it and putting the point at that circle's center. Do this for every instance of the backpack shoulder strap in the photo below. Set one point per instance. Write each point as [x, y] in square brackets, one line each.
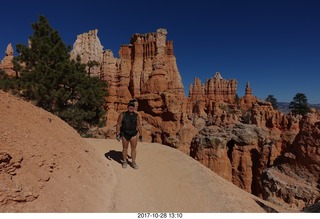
[135, 114]
[123, 115]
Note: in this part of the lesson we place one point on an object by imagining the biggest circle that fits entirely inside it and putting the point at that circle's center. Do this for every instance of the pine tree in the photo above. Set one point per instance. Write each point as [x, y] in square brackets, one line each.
[92, 64]
[55, 82]
[273, 101]
[299, 105]
[9, 84]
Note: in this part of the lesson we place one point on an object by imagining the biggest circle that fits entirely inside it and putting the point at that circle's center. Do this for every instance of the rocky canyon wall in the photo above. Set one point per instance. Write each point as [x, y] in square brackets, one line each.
[203, 97]
[269, 154]
[146, 70]
[88, 47]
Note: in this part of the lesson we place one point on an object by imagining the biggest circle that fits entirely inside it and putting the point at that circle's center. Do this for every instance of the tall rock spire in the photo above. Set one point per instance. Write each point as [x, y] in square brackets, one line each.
[147, 71]
[6, 63]
[158, 82]
[89, 48]
[248, 90]
[215, 89]
[248, 99]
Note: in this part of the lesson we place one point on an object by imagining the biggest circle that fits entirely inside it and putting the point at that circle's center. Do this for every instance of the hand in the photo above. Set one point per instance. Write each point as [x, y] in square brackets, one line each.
[118, 137]
[140, 137]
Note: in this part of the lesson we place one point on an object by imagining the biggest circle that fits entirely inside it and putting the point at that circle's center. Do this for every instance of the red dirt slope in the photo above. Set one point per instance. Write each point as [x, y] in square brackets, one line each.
[45, 166]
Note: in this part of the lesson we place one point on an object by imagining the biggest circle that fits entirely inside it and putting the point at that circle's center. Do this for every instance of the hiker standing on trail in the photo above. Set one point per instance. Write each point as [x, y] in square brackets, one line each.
[128, 127]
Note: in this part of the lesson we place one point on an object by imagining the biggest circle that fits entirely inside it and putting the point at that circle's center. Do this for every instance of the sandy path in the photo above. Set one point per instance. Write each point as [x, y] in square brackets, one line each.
[169, 181]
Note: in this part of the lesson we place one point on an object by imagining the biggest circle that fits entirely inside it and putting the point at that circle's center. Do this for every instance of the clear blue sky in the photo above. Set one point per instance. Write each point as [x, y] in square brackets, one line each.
[273, 44]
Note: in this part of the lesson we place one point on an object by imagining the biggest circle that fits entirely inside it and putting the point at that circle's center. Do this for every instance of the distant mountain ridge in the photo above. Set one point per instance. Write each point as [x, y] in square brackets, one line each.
[284, 106]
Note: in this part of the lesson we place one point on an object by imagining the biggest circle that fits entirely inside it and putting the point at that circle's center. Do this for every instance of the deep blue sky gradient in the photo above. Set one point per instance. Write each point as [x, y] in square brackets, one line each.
[273, 44]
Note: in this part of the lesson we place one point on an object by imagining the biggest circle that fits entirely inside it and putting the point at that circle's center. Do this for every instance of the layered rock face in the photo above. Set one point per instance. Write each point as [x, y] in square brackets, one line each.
[146, 65]
[6, 63]
[245, 141]
[204, 97]
[89, 48]
[248, 99]
[146, 70]
[295, 179]
[239, 153]
[267, 153]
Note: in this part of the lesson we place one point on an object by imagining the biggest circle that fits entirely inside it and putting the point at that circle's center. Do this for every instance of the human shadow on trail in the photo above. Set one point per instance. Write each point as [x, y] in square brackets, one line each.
[115, 155]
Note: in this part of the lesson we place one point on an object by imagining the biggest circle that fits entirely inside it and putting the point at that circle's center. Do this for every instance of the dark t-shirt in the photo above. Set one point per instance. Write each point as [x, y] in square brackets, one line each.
[129, 122]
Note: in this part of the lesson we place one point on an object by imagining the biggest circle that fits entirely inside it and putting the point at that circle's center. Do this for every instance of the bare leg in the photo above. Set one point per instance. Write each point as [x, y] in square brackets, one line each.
[125, 144]
[133, 144]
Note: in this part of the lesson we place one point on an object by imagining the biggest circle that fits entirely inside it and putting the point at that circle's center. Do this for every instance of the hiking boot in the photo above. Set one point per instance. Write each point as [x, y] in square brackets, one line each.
[124, 165]
[134, 165]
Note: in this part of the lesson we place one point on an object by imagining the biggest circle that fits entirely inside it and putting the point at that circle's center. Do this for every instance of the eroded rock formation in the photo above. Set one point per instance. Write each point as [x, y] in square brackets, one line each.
[89, 48]
[146, 70]
[6, 63]
[204, 97]
[248, 99]
[295, 179]
[244, 140]
[267, 153]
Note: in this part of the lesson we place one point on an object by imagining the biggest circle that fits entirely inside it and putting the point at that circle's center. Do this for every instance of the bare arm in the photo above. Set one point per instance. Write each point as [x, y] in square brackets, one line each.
[119, 124]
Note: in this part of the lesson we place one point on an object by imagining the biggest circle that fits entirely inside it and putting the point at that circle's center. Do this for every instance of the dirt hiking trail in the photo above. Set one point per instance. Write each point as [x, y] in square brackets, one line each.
[169, 181]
